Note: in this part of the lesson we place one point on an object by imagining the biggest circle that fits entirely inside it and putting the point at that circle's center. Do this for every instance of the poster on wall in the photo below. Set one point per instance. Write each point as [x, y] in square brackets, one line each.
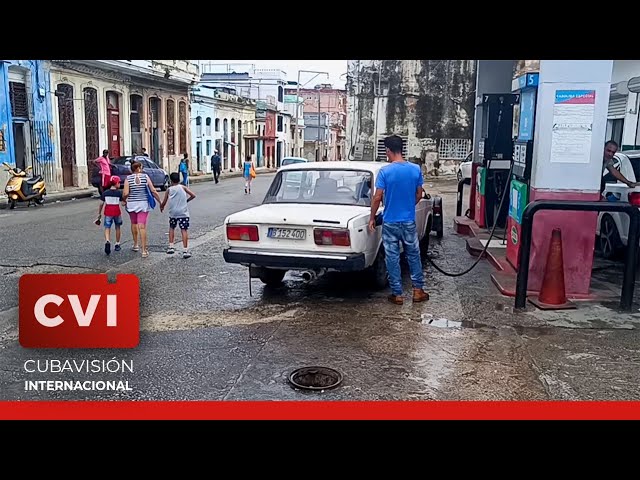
[573, 113]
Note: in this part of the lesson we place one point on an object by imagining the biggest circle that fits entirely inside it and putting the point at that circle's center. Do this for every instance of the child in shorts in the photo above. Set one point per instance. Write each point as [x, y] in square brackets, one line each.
[111, 200]
[178, 196]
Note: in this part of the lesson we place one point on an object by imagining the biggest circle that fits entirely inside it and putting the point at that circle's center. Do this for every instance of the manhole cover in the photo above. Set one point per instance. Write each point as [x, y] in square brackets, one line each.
[315, 378]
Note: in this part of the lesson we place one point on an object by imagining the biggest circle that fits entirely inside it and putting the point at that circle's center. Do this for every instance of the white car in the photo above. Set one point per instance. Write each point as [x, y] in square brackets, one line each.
[612, 227]
[314, 219]
[464, 169]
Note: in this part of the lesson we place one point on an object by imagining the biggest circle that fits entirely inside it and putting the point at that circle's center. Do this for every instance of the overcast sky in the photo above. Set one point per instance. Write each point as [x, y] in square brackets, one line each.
[335, 68]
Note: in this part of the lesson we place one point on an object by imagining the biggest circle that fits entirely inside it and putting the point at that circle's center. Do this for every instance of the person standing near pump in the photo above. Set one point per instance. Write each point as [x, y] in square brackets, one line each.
[400, 183]
[610, 149]
[216, 164]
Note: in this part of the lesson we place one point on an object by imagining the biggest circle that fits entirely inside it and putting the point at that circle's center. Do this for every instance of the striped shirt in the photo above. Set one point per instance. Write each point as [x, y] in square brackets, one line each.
[111, 199]
[137, 199]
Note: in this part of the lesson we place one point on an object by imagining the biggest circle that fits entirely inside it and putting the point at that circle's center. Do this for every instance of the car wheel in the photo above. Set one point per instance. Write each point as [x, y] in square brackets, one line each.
[165, 185]
[378, 271]
[459, 176]
[609, 239]
[271, 277]
[424, 243]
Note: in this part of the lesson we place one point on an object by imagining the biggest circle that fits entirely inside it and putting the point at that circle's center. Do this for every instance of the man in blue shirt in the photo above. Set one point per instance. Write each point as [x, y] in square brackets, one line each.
[401, 185]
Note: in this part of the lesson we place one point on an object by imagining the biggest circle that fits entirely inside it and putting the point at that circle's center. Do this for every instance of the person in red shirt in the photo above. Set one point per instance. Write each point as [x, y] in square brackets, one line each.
[111, 200]
[104, 166]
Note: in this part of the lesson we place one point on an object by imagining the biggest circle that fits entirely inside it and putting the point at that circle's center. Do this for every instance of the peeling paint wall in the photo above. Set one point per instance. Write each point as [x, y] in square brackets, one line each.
[424, 100]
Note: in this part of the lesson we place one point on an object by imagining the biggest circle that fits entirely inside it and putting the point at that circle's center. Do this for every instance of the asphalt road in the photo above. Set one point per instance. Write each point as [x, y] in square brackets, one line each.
[203, 337]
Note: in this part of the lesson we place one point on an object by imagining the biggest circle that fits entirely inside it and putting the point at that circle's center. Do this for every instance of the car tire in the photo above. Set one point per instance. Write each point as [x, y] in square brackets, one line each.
[609, 238]
[459, 176]
[377, 272]
[424, 242]
[165, 185]
[271, 277]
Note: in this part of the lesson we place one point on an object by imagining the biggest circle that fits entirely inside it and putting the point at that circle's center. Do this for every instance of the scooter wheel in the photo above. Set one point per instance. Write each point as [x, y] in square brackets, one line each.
[39, 201]
[12, 204]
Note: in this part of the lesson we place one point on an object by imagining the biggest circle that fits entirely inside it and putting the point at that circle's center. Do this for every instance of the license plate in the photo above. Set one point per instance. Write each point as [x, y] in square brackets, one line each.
[287, 233]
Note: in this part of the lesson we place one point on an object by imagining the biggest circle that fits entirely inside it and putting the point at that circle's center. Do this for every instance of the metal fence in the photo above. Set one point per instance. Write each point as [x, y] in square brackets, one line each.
[42, 157]
[453, 148]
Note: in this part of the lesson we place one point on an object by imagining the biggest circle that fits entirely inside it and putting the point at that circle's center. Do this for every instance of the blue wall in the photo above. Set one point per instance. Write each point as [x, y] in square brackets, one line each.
[42, 116]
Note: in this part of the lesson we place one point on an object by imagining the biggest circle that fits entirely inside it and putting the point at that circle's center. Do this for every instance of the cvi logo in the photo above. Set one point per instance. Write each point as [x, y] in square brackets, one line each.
[79, 311]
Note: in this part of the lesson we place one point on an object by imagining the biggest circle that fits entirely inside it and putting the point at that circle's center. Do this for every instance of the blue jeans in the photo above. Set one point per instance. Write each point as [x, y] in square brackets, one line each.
[392, 235]
[185, 178]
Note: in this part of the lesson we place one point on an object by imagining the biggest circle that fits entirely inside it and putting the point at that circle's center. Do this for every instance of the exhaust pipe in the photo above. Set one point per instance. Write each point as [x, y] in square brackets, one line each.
[310, 275]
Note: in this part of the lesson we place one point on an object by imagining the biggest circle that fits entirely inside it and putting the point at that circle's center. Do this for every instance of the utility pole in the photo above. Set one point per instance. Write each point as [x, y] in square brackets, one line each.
[298, 100]
[319, 158]
[375, 124]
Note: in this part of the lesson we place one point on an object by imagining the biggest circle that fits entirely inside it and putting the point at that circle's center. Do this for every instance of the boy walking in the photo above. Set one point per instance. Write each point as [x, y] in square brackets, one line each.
[111, 200]
[178, 196]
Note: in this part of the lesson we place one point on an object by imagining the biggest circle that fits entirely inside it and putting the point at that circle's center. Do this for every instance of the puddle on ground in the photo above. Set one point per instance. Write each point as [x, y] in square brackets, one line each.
[429, 320]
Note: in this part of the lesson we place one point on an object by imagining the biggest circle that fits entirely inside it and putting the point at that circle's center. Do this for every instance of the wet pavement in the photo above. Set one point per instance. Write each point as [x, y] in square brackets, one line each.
[205, 338]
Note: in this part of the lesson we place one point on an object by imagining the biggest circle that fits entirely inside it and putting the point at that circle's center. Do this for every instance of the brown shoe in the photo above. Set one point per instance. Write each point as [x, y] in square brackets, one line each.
[420, 295]
[397, 299]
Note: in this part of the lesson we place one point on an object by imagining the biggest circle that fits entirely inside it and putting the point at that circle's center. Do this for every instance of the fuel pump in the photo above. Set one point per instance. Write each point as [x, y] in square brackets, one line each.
[496, 150]
[523, 131]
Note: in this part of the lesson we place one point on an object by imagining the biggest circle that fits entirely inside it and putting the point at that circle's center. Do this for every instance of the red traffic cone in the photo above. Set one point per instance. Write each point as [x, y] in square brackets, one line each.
[552, 293]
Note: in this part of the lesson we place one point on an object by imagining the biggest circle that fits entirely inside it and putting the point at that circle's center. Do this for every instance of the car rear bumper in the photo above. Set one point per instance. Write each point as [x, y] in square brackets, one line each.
[349, 262]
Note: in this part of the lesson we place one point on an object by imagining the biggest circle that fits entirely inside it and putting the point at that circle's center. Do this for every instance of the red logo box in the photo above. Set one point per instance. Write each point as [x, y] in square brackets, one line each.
[79, 311]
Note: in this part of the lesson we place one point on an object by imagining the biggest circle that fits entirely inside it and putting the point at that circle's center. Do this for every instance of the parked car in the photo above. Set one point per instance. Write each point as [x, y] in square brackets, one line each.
[613, 227]
[291, 160]
[318, 222]
[464, 169]
[121, 166]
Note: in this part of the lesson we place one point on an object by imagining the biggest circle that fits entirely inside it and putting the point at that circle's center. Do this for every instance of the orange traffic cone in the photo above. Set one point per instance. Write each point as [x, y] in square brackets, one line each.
[552, 293]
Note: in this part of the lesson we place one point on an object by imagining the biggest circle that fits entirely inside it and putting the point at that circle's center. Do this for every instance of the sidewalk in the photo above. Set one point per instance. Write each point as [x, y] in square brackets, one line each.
[77, 192]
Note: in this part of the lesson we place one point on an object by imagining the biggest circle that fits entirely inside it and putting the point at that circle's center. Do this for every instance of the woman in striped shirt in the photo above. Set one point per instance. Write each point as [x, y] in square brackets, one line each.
[135, 194]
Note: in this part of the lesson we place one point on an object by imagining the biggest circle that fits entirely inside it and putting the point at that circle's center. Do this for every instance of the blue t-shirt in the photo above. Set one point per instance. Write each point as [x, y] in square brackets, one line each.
[247, 168]
[399, 180]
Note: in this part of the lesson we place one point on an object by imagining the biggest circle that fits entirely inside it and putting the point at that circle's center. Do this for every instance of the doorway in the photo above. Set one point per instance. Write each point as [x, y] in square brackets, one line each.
[20, 145]
[67, 133]
[154, 109]
[113, 124]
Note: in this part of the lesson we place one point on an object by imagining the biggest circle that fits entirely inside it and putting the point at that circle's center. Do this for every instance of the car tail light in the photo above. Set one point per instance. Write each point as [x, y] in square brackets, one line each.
[247, 233]
[331, 236]
[634, 198]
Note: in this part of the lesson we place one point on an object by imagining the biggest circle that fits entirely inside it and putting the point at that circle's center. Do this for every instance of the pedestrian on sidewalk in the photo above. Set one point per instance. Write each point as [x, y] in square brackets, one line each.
[401, 185]
[104, 166]
[184, 169]
[249, 173]
[178, 196]
[216, 165]
[138, 190]
[111, 200]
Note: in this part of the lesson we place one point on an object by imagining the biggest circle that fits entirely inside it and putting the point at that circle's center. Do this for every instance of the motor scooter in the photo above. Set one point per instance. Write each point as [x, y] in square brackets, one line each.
[21, 188]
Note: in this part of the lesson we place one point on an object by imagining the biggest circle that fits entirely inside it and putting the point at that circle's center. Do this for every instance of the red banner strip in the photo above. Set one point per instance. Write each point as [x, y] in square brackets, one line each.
[318, 410]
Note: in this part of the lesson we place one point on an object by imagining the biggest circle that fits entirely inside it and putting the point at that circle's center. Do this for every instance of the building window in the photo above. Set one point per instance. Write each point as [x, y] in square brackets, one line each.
[171, 127]
[280, 123]
[182, 119]
[91, 123]
[208, 147]
[208, 127]
[617, 127]
[18, 98]
[217, 127]
[280, 94]
[198, 126]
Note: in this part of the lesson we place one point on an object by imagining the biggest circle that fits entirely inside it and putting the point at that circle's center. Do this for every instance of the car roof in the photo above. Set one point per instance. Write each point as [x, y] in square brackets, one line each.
[298, 159]
[336, 165]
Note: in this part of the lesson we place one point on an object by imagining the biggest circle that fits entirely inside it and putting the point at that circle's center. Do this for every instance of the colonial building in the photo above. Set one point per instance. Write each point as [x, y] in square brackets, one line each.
[259, 85]
[265, 135]
[429, 103]
[316, 136]
[123, 106]
[26, 121]
[332, 101]
[294, 106]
